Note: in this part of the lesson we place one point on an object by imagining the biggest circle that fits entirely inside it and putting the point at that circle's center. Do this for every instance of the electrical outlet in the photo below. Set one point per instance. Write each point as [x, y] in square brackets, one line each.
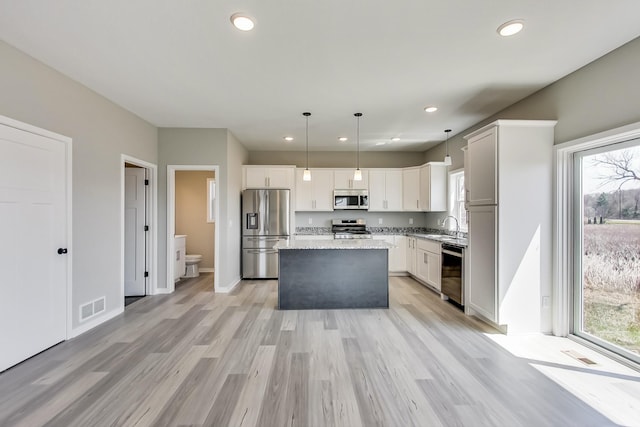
[380, 221]
[546, 302]
[310, 220]
[410, 221]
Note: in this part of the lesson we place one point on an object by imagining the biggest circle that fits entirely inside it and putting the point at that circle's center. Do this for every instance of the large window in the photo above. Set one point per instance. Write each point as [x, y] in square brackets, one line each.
[456, 200]
[606, 300]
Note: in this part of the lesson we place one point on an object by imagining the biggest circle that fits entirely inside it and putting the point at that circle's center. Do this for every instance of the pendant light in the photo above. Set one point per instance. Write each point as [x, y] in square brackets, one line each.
[306, 175]
[357, 175]
[447, 158]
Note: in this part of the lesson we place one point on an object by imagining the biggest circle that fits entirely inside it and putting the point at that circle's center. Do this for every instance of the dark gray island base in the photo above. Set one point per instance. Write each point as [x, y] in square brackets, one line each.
[335, 277]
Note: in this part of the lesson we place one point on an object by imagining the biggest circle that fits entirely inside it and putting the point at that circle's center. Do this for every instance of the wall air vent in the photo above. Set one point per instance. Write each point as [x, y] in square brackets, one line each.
[92, 308]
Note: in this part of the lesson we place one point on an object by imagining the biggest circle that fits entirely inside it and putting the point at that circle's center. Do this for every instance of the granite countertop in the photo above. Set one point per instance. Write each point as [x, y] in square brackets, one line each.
[333, 244]
[443, 238]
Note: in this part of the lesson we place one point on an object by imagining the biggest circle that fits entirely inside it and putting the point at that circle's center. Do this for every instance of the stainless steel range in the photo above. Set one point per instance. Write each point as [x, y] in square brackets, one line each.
[350, 229]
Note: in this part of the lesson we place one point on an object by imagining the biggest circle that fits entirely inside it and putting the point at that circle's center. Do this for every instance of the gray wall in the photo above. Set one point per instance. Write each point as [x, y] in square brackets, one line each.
[38, 95]
[602, 95]
[182, 146]
[337, 159]
[237, 156]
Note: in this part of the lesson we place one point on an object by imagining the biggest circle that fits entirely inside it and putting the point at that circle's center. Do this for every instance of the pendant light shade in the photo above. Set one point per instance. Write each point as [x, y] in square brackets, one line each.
[447, 157]
[306, 175]
[357, 175]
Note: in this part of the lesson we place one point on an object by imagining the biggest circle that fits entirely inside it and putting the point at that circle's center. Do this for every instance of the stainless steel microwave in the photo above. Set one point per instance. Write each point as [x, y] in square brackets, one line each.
[350, 199]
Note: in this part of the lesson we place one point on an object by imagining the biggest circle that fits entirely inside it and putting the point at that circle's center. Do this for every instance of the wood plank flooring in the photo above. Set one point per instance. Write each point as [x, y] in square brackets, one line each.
[195, 358]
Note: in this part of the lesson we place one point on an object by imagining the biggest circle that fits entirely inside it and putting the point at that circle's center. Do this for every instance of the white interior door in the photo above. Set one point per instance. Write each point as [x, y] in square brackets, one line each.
[134, 233]
[33, 218]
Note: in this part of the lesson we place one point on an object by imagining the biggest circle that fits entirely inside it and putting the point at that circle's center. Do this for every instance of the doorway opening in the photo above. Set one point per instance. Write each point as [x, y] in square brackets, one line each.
[192, 214]
[606, 298]
[138, 229]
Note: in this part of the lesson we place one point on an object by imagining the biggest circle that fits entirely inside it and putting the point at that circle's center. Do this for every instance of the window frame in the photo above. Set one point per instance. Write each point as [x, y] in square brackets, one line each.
[456, 205]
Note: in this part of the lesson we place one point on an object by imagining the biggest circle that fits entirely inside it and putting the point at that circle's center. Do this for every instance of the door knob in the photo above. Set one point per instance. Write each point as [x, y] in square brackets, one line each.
[62, 251]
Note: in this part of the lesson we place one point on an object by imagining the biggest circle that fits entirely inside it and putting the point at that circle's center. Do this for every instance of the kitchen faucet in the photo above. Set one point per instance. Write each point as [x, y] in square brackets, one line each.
[457, 235]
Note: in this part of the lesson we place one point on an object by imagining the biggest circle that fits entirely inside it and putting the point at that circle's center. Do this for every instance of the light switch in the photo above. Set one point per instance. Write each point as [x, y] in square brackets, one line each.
[380, 221]
[410, 221]
[310, 220]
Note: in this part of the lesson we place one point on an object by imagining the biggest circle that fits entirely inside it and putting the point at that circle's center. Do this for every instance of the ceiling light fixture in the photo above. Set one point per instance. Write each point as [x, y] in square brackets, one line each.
[288, 138]
[447, 157]
[357, 175]
[242, 22]
[380, 143]
[395, 139]
[511, 27]
[343, 139]
[431, 109]
[306, 175]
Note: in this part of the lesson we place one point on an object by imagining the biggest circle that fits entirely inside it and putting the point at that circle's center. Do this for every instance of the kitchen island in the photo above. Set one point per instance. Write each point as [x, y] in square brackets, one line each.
[327, 274]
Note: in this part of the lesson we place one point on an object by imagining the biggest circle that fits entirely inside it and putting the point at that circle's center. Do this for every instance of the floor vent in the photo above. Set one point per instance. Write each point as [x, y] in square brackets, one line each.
[92, 308]
[579, 357]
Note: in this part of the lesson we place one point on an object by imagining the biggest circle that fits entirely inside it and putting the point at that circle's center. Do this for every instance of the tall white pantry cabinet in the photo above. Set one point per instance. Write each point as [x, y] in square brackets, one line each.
[509, 197]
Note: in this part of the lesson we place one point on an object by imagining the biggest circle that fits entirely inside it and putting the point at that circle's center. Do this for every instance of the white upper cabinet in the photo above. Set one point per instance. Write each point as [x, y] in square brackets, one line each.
[482, 166]
[343, 180]
[433, 187]
[411, 189]
[269, 177]
[424, 188]
[385, 190]
[317, 194]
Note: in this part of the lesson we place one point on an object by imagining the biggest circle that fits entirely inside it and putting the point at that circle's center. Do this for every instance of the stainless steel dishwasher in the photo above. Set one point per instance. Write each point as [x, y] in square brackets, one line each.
[453, 272]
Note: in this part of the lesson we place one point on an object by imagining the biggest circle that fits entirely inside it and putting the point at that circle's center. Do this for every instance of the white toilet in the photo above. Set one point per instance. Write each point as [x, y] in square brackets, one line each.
[192, 261]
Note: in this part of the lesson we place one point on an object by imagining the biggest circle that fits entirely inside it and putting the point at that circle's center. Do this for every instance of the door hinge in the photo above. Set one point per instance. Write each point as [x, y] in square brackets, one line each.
[146, 274]
[146, 228]
[146, 182]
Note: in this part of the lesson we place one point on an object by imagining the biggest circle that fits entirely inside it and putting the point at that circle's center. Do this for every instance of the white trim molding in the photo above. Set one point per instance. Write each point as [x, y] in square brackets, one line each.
[563, 232]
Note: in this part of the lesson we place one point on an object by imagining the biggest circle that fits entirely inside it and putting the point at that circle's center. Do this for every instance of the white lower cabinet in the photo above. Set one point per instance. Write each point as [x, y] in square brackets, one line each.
[180, 246]
[429, 262]
[397, 254]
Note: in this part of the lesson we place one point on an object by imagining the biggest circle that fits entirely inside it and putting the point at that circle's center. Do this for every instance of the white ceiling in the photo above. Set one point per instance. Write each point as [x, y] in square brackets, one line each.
[182, 64]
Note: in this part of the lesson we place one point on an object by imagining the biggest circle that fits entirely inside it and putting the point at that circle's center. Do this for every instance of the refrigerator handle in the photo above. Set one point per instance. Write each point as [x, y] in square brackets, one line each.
[252, 221]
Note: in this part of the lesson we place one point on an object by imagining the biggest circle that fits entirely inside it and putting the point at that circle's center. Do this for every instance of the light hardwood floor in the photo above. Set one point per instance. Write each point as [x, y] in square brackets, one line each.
[197, 358]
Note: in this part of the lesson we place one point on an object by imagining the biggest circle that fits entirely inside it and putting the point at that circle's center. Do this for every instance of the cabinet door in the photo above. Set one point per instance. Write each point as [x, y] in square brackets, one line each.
[344, 180]
[304, 192]
[411, 255]
[433, 188]
[411, 189]
[255, 177]
[377, 192]
[422, 265]
[398, 258]
[434, 268]
[393, 190]
[322, 184]
[280, 178]
[483, 161]
[482, 285]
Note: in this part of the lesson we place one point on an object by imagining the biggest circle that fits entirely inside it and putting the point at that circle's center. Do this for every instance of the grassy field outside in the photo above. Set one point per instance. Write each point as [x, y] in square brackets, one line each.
[611, 282]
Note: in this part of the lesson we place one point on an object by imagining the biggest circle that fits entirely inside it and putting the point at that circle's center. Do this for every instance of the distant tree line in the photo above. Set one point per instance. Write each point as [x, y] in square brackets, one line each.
[619, 204]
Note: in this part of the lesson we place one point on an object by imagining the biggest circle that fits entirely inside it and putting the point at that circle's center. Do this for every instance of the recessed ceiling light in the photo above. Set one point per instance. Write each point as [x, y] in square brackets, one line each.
[380, 143]
[242, 22]
[431, 109]
[288, 138]
[510, 28]
[343, 139]
[395, 139]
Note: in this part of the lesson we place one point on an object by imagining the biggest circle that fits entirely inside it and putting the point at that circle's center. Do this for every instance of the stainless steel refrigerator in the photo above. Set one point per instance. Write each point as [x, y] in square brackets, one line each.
[265, 221]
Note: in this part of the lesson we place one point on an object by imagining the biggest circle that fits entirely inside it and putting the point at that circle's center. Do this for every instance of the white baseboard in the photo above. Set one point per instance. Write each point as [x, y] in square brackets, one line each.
[95, 322]
[162, 291]
[206, 270]
[230, 287]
